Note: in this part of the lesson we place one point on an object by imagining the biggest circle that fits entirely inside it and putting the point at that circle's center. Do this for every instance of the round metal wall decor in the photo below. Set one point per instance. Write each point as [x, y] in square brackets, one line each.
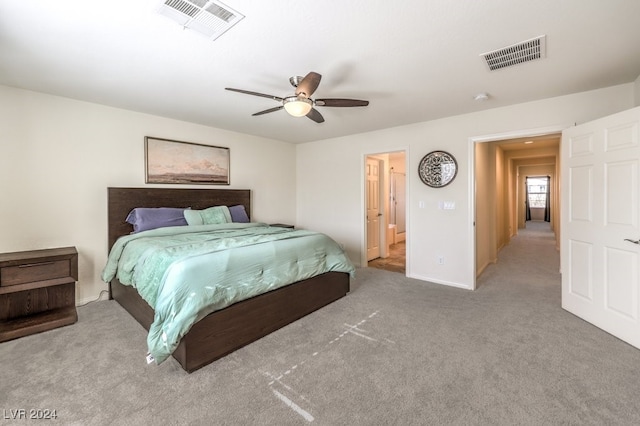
[437, 169]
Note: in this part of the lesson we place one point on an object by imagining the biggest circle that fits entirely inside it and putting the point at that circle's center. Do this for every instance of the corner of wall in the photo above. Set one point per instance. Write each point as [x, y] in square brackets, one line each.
[636, 92]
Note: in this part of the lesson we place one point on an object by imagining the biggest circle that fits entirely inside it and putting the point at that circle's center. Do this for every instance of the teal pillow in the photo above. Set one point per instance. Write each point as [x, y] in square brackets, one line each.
[210, 216]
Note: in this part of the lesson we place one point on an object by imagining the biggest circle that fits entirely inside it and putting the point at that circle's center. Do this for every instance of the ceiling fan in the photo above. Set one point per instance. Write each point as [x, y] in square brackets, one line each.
[301, 104]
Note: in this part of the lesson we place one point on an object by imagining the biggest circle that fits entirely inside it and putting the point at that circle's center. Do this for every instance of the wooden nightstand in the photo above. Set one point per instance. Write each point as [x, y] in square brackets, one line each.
[37, 291]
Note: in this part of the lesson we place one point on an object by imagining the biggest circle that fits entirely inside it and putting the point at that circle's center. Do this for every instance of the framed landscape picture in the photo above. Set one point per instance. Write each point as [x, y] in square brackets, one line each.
[169, 161]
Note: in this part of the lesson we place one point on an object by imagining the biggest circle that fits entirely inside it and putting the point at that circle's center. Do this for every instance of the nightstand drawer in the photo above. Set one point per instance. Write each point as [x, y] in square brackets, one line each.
[36, 271]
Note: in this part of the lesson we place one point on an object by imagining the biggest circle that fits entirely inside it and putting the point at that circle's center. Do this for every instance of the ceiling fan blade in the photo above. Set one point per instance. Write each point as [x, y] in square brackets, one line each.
[308, 84]
[315, 116]
[247, 92]
[267, 111]
[341, 102]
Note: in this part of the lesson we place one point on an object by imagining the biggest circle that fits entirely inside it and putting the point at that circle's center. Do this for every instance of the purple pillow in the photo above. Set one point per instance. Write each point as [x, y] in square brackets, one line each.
[238, 214]
[145, 218]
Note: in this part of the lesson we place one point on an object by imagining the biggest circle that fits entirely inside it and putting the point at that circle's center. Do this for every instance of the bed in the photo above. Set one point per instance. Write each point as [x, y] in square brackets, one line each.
[226, 330]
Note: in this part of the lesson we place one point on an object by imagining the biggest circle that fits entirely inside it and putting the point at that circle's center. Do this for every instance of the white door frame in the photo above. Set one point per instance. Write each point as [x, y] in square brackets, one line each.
[363, 206]
[472, 179]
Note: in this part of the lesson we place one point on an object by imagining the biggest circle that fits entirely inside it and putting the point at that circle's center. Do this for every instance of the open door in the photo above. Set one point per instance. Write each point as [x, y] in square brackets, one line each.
[601, 223]
[373, 208]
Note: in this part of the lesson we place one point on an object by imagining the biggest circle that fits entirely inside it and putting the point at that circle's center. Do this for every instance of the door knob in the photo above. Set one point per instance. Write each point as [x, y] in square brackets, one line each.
[633, 241]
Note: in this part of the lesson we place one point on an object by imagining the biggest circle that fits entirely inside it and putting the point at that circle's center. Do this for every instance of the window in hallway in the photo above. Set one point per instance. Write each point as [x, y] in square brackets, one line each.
[537, 190]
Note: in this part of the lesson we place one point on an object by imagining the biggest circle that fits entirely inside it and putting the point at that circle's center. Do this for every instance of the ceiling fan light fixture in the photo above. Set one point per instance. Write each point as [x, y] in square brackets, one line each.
[297, 106]
[301, 104]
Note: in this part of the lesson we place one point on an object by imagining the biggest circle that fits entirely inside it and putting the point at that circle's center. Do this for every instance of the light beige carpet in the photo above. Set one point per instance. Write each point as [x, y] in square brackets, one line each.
[394, 351]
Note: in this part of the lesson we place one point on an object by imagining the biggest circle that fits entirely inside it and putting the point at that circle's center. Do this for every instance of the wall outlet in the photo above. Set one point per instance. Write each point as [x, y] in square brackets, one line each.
[440, 260]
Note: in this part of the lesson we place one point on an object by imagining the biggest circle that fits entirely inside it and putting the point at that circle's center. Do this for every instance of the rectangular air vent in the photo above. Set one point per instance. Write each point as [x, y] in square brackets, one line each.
[529, 50]
[208, 17]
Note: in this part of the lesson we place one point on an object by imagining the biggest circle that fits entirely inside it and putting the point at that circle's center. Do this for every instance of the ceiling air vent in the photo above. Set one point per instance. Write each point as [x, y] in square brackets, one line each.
[208, 17]
[530, 50]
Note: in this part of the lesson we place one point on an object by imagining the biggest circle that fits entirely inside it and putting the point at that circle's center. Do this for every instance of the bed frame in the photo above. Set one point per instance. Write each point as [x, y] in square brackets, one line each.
[231, 328]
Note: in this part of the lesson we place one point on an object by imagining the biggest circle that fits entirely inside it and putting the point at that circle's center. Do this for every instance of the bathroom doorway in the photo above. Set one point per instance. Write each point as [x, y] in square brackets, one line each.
[392, 206]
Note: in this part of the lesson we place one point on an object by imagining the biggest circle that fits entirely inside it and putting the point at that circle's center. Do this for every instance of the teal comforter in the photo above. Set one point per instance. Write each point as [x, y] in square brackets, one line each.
[187, 272]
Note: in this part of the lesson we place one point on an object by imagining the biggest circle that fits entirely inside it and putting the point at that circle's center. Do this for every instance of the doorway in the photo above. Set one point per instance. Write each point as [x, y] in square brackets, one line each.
[385, 211]
[502, 204]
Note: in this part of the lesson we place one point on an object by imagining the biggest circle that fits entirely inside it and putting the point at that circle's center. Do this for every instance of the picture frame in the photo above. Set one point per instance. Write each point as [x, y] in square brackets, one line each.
[170, 161]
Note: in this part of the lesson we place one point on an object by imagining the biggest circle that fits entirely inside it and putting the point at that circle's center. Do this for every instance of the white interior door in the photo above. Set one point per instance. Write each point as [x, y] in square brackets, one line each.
[373, 208]
[600, 214]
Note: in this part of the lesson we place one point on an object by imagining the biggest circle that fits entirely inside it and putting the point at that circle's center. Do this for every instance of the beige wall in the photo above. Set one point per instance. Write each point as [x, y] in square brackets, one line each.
[397, 160]
[486, 205]
[58, 156]
[330, 179]
[502, 228]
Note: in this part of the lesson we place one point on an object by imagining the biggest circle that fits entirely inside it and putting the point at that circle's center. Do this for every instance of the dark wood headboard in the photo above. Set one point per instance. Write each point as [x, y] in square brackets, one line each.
[122, 200]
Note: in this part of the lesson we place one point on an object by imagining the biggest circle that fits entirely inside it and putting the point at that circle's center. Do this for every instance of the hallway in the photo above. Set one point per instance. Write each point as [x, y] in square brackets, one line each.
[530, 262]
[538, 229]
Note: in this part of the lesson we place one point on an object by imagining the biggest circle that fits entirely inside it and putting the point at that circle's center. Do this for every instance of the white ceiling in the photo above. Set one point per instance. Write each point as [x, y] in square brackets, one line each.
[414, 60]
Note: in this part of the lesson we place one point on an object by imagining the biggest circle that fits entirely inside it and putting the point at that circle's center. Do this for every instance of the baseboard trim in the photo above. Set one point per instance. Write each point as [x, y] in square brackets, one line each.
[441, 282]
